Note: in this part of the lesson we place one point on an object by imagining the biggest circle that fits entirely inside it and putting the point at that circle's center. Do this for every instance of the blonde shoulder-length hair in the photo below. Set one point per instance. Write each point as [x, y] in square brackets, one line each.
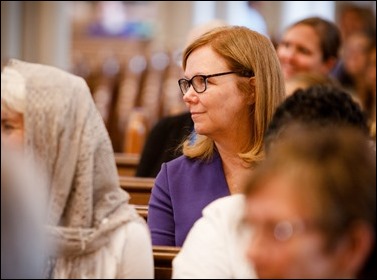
[243, 50]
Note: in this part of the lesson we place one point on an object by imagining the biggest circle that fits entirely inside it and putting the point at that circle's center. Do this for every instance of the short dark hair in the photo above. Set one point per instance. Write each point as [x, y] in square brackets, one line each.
[317, 105]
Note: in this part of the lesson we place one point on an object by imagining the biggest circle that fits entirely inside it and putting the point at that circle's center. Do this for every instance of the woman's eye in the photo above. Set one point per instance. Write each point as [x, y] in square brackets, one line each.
[6, 126]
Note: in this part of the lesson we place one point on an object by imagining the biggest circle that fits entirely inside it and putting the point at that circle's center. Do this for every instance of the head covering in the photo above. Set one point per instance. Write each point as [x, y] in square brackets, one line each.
[66, 135]
[13, 90]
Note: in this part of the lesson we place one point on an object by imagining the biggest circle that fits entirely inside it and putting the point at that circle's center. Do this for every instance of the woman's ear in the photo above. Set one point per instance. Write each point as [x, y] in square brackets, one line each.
[329, 64]
[357, 246]
[251, 96]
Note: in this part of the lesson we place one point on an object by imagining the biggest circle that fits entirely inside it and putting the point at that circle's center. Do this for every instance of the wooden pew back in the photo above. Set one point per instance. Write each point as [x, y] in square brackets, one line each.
[163, 257]
[126, 163]
[142, 210]
[139, 188]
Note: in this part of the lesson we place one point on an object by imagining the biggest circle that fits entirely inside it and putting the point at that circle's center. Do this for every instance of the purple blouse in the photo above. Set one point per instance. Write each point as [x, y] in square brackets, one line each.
[183, 187]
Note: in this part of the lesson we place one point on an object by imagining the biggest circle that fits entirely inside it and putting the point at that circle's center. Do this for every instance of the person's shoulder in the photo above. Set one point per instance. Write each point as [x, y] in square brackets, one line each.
[197, 173]
[135, 231]
[226, 202]
[226, 208]
[179, 164]
[182, 160]
[196, 164]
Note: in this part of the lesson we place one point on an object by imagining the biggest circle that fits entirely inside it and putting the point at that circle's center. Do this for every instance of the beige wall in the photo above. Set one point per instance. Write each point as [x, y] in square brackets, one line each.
[11, 29]
[39, 31]
[175, 22]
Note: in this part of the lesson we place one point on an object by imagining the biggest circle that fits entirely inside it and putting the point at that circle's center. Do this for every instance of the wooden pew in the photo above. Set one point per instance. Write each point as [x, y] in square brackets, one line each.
[139, 188]
[126, 163]
[163, 257]
[142, 210]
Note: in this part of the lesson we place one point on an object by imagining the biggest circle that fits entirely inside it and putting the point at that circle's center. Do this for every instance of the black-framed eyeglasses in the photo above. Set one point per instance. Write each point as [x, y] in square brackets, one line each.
[199, 82]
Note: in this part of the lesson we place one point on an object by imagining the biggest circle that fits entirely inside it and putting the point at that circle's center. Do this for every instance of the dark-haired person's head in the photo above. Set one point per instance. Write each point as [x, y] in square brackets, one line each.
[309, 45]
[318, 106]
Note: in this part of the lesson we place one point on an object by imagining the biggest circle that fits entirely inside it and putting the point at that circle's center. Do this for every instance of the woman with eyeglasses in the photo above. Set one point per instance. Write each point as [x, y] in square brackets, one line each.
[215, 247]
[311, 206]
[232, 84]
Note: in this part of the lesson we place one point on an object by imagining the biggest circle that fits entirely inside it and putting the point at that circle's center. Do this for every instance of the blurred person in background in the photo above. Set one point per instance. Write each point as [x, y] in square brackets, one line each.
[321, 106]
[309, 45]
[311, 206]
[49, 116]
[353, 18]
[357, 25]
[371, 78]
[357, 59]
[24, 249]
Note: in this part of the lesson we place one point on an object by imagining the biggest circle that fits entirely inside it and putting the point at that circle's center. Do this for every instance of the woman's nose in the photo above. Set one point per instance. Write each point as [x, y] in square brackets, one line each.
[191, 96]
[290, 54]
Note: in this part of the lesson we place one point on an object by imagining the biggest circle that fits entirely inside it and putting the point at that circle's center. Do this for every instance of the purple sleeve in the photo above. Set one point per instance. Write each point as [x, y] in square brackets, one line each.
[160, 211]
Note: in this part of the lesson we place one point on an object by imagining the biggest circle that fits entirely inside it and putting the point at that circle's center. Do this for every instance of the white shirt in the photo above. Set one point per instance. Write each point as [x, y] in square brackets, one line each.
[128, 255]
[216, 245]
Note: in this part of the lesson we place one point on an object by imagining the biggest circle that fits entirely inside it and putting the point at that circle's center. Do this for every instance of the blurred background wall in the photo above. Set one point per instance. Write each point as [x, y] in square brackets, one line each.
[43, 31]
[129, 51]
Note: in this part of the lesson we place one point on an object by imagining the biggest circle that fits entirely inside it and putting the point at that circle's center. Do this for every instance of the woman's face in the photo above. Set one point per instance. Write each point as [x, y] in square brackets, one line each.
[222, 109]
[300, 51]
[286, 242]
[355, 55]
[12, 129]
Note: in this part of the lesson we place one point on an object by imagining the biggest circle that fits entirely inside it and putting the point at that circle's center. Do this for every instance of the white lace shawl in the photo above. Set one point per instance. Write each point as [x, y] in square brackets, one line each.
[66, 135]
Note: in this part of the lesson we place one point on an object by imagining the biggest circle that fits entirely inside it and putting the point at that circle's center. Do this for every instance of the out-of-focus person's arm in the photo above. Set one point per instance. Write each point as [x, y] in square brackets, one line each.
[137, 259]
